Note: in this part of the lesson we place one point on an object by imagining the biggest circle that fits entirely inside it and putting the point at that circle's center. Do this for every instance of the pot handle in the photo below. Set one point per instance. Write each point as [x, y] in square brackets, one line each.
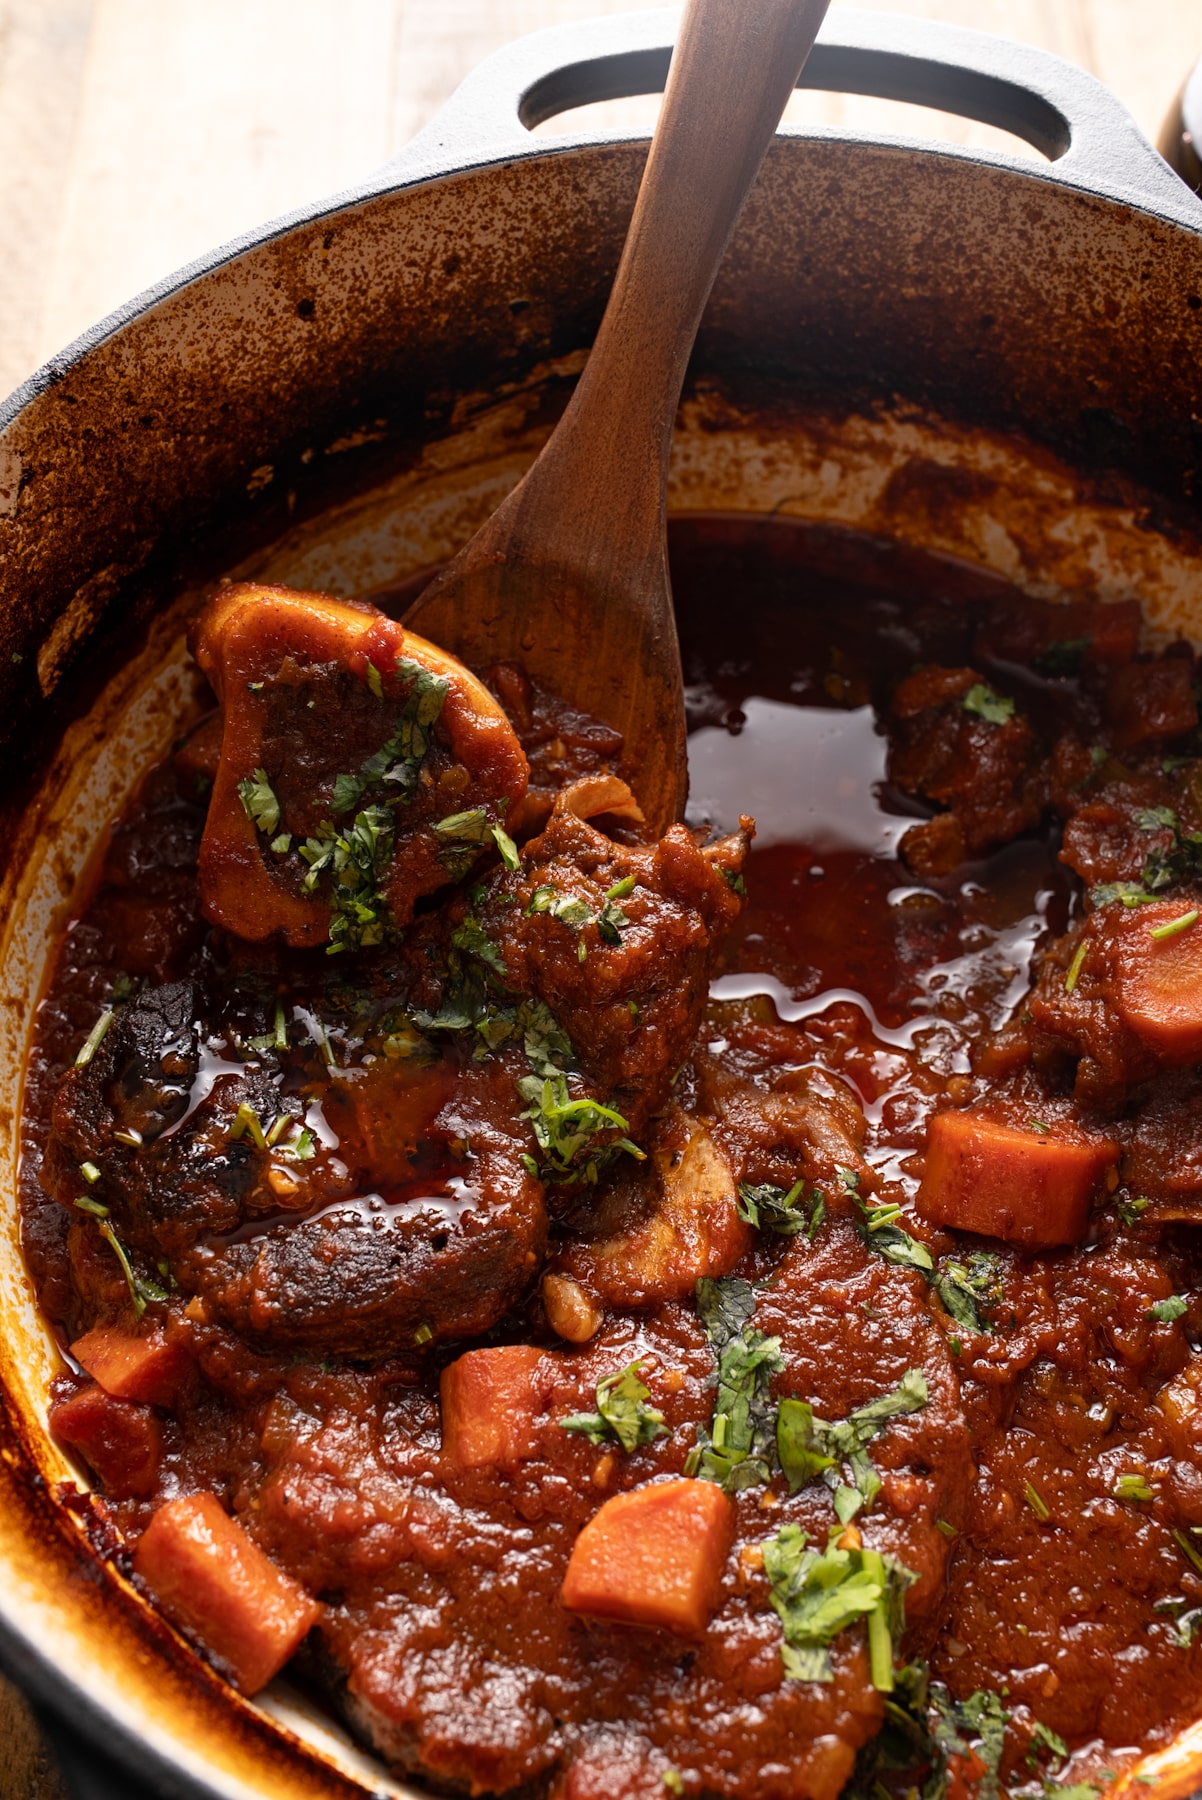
[1090, 139]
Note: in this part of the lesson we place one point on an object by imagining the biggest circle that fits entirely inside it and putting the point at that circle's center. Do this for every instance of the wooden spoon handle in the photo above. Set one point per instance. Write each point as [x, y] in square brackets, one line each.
[734, 66]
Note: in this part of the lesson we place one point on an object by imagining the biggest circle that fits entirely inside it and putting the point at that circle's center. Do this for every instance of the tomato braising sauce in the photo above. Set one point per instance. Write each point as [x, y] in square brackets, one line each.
[658, 1318]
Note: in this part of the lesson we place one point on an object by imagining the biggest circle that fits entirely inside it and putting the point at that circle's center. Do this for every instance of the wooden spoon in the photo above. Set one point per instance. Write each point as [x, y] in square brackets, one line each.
[569, 577]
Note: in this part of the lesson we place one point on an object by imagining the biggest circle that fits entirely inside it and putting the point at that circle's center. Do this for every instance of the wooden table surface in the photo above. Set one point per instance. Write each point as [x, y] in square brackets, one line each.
[136, 134]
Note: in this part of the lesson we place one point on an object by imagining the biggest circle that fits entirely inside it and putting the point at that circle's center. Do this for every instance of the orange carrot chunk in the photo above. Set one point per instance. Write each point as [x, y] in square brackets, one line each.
[150, 1368]
[119, 1439]
[212, 1580]
[1157, 952]
[490, 1401]
[1029, 1187]
[654, 1557]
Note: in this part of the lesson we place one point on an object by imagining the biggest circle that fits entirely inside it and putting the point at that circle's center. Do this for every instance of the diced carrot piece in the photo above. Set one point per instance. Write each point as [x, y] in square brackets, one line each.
[654, 1556]
[120, 1439]
[1151, 700]
[211, 1579]
[490, 1401]
[1157, 981]
[151, 1368]
[1030, 1188]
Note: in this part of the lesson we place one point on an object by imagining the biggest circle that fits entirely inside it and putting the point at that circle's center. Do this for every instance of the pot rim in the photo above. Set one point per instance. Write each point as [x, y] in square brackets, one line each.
[1092, 142]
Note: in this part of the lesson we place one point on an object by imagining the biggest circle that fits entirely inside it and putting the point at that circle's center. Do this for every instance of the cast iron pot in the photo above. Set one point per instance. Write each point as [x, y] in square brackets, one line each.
[995, 359]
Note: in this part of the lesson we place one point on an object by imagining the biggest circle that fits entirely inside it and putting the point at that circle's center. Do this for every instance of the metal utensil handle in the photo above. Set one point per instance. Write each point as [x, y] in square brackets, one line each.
[1091, 139]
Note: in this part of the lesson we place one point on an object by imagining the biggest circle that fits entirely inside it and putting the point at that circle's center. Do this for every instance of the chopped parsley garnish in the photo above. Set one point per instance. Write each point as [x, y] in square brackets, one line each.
[357, 856]
[1045, 1744]
[818, 1594]
[970, 1288]
[576, 913]
[506, 847]
[259, 802]
[1184, 1621]
[94, 1039]
[1036, 1502]
[460, 836]
[471, 937]
[247, 1124]
[770, 1208]
[995, 709]
[738, 1449]
[1133, 1487]
[808, 1446]
[574, 1134]
[1165, 1311]
[397, 763]
[611, 922]
[622, 1412]
[1165, 865]
[1130, 893]
[358, 859]
[1171, 927]
[879, 1229]
[141, 1291]
[1188, 1549]
[1074, 968]
[977, 1724]
[1131, 1211]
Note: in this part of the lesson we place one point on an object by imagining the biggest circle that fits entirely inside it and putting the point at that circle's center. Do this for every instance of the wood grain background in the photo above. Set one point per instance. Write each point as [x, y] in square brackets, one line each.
[136, 134]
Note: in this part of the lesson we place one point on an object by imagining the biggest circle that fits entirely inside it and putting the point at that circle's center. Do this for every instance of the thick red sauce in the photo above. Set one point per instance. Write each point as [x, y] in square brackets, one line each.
[850, 985]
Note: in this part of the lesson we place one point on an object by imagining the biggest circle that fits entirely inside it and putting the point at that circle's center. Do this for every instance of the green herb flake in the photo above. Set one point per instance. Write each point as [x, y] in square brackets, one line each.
[1074, 968]
[1129, 893]
[94, 1039]
[949, 1531]
[1133, 1488]
[1131, 1211]
[769, 1208]
[995, 709]
[1166, 1311]
[85, 1204]
[247, 1124]
[674, 1781]
[1045, 1744]
[141, 1291]
[90, 1173]
[1036, 1502]
[423, 1335]
[816, 1595]
[807, 1445]
[878, 1228]
[259, 802]
[622, 1412]
[1172, 927]
[506, 847]
[738, 1449]
[970, 1288]
[374, 680]
[357, 858]
[574, 1135]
